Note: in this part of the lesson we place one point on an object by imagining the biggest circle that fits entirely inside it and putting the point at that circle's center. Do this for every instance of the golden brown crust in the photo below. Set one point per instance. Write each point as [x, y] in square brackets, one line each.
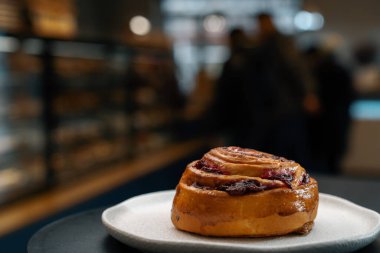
[219, 196]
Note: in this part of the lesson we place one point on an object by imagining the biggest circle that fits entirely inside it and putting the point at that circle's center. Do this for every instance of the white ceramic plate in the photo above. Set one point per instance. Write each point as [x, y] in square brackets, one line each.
[144, 222]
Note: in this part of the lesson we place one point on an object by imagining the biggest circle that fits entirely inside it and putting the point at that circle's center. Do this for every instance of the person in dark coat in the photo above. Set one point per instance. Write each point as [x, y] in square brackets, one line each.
[263, 93]
[329, 128]
[229, 109]
[279, 91]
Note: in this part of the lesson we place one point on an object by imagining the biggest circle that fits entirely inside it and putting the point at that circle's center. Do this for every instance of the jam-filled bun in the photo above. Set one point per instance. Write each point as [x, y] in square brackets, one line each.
[234, 191]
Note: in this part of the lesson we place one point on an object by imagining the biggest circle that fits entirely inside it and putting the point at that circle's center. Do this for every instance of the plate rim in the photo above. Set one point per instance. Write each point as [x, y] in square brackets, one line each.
[145, 243]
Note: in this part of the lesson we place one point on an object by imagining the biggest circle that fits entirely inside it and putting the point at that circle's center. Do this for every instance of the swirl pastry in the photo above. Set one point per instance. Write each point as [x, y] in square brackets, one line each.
[234, 191]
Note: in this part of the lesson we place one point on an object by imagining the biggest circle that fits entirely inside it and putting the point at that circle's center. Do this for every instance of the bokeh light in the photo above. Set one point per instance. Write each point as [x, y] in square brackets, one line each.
[214, 23]
[308, 21]
[140, 25]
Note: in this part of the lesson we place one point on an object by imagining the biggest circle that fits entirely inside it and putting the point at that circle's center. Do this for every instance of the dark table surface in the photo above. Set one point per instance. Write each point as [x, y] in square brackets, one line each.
[84, 232]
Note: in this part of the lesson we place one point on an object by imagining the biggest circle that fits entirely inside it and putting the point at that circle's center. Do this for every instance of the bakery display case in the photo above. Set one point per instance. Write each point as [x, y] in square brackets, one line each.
[154, 102]
[72, 105]
[90, 125]
[22, 167]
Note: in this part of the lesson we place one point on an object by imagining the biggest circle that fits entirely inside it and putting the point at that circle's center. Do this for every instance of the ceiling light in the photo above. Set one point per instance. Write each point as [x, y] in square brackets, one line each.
[308, 21]
[140, 25]
[214, 23]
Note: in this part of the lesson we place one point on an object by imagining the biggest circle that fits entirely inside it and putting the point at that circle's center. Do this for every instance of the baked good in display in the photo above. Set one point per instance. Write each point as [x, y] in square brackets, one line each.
[235, 191]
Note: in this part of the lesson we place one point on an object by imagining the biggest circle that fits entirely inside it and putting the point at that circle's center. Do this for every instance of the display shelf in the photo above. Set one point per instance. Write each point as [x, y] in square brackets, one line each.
[22, 166]
[91, 129]
[72, 132]
[78, 161]
[81, 98]
[155, 102]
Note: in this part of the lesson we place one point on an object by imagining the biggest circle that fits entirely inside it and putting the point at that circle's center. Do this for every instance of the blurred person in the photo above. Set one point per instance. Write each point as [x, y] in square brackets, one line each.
[229, 108]
[329, 128]
[200, 98]
[264, 92]
[278, 91]
[367, 75]
[196, 110]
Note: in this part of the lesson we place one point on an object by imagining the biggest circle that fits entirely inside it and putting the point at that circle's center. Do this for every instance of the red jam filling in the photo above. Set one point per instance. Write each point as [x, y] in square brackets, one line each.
[282, 175]
[305, 179]
[210, 167]
[239, 188]
[248, 186]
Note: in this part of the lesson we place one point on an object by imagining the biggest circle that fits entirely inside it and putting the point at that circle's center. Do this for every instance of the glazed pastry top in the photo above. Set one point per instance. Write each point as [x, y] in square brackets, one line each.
[239, 171]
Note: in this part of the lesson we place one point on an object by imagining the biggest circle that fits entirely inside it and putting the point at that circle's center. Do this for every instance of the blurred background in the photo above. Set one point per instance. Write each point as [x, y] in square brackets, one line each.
[86, 84]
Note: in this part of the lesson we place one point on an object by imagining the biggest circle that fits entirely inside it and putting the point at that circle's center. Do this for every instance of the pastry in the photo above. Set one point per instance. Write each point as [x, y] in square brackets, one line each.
[235, 191]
